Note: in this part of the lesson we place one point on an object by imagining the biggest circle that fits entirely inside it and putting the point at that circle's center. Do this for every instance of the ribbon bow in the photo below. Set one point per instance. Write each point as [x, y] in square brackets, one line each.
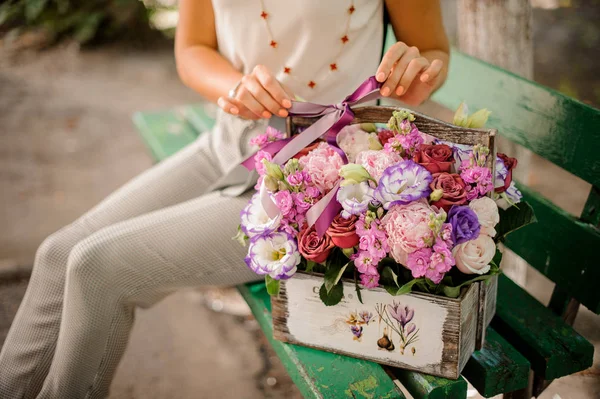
[332, 119]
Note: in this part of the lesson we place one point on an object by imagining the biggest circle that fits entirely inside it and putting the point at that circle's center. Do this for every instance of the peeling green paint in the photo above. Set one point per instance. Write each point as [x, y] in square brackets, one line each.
[320, 369]
[361, 387]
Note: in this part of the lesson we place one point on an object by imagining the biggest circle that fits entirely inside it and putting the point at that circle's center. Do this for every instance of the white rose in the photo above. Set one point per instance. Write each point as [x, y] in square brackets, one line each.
[487, 213]
[474, 257]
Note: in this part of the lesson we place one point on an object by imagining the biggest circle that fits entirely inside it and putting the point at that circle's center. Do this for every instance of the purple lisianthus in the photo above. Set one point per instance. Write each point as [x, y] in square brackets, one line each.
[275, 254]
[465, 225]
[354, 198]
[402, 184]
[255, 220]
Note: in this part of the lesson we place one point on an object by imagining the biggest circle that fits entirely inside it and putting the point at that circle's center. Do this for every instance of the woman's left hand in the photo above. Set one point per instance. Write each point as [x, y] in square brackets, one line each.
[407, 75]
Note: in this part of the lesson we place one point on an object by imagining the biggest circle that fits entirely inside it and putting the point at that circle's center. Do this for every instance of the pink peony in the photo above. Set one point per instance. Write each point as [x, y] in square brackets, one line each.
[322, 165]
[375, 162]
[407, 228]
[353, 140]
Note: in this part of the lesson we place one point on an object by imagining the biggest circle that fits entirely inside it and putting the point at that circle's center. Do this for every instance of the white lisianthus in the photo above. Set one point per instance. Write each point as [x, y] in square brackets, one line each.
[275, 254]
[354, 198]
[255, 220]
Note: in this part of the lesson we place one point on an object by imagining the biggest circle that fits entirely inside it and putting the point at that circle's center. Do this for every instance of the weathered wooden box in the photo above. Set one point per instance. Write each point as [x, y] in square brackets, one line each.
[427, 333]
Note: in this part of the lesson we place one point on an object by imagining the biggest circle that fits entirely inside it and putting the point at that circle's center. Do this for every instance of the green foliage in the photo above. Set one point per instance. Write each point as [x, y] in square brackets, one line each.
[81, 20]
[272, 285]
[332, 297]
[514, 218]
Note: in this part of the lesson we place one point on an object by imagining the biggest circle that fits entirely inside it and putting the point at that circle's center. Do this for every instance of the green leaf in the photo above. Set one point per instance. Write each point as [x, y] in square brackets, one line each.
[389, 275]
[357, 287]
[513, 219]
[332, 297]
[33, 9]
[454, 292]
[333, 274]
[405, 289]
[309, 266]
[272, 285]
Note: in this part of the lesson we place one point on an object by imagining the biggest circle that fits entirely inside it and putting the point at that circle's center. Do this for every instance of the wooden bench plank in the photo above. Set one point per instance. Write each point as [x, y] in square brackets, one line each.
[497, 368]
[554, 126]
[553, 348]
[562, 248]
[320, 374]
[423, 386]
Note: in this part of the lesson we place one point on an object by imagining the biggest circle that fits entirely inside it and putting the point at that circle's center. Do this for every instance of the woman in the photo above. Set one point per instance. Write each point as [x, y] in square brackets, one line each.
[166, 230]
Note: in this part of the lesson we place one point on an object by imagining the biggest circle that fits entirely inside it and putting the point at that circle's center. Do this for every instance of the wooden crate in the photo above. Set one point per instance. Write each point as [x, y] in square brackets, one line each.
[446, 330]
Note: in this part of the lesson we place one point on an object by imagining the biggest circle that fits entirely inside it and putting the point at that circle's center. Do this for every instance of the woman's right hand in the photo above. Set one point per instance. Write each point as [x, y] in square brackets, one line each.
[260, 95]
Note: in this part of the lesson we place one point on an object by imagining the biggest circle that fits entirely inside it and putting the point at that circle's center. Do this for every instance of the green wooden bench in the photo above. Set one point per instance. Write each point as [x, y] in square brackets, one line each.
[525, 338]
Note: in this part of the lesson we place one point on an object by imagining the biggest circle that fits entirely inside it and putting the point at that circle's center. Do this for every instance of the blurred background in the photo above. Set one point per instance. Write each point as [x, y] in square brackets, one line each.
[72, 73]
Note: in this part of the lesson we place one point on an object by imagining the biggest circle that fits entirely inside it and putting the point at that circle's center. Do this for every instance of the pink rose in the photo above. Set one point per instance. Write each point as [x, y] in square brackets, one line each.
[435, 158]
[375, 162]
[312, 247]
[343, 231]
[407, 228]
[453, 188]
[323, 166]
[474, 256]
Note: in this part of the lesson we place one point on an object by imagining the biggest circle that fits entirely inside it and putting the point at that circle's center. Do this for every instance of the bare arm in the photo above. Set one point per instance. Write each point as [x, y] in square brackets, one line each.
[417, 65]
[202, 68]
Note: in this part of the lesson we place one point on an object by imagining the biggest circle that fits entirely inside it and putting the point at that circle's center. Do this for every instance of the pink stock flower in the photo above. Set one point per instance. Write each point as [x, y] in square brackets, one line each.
[418, 261]
[322, 165]
[364, 263]
[284, 201]
[258, 157]
[302, 201]
[295, 179]
[375, 162]
[369, 280]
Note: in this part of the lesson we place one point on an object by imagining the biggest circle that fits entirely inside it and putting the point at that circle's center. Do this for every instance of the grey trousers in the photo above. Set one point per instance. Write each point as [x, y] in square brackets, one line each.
[160, 232]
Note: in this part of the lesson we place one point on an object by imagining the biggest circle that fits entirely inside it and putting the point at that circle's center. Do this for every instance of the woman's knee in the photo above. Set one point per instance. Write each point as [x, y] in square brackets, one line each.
[54, 251]
[90, 262]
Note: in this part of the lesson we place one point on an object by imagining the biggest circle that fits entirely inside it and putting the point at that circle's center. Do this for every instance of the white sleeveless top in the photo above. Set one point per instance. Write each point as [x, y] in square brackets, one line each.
[309, 38]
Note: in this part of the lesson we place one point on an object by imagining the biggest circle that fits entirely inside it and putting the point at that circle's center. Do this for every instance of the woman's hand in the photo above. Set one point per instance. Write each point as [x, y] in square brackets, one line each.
[259, 95]
[408, 75]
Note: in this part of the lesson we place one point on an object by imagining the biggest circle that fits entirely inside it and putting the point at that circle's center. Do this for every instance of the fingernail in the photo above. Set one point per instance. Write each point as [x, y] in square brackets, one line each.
[380, 77]
[235, 111]
[266, 114]
[287, 103]
[283, 112]
[424, 77]
[385, 91]
[399, 90]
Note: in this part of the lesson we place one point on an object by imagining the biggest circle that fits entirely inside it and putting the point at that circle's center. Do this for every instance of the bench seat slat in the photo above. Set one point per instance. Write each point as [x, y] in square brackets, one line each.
[497, 368]
[562, 248]
[553, 348]
[554, 126]
[321, 374]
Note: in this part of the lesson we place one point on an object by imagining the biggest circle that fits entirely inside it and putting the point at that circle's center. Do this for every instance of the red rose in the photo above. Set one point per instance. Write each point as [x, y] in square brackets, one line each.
[435, 158]
[343, 231]
[510, 164]
[453, 188]
[312, 247]
[385, 136]
[308, 149]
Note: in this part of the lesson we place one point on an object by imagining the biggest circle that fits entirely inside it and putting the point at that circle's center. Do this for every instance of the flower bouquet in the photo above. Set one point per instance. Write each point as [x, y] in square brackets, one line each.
[414, 208]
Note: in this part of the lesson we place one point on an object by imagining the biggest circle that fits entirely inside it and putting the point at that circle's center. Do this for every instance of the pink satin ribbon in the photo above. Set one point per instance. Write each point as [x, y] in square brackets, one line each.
[332, 119]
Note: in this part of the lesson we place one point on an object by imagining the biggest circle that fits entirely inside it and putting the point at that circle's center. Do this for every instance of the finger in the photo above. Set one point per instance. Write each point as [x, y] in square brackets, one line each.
[414, 68]
[245, 97]
[261, 95]
[389, 60]
[272, 85]
[391, 84]
[234, 107]
[432, 72]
